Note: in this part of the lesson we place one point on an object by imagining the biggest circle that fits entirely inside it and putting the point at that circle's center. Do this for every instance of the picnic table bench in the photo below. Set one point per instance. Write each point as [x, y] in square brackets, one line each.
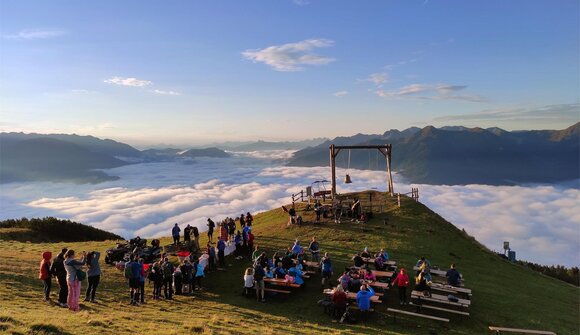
[370, 260]
[451, 289]
[379, 284]
[387, 274]
[442, 299]
[312, 264]
[269, 289]
[426, 316]
[280, 282]
[499, 330]
[352, 296]
[420, 306]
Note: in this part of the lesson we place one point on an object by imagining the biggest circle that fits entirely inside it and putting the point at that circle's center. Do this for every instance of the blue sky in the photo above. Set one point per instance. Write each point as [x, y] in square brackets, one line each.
[191, 72]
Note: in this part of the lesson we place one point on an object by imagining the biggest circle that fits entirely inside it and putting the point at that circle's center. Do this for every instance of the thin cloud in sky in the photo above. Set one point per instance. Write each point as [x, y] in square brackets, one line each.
[301, 2]
[32, 34]
[378, 78]
[292, 56]
[570, 112]
[340, 93]
[431, 92]
[162, 92]
[134, 82]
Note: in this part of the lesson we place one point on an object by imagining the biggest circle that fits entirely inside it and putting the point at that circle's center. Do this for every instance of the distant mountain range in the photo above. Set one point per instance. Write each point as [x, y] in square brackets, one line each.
[460, 155]
[74, 158]
[448, 155]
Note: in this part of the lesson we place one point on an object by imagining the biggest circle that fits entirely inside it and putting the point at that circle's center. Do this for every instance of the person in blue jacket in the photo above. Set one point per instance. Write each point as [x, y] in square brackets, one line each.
[363, 299]
[221, 246]
[175, 233]
[297, 248]
[297, 274]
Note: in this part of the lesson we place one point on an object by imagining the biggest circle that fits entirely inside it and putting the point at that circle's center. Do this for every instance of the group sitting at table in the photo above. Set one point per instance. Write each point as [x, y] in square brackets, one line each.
[379, 259]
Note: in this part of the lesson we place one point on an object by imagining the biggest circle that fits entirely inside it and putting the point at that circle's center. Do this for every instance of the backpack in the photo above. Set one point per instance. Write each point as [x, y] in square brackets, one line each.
[167, 270]
[128, 270]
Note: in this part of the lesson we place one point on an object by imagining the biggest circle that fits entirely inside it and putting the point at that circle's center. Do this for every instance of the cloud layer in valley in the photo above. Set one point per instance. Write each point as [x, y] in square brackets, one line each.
[541, 222]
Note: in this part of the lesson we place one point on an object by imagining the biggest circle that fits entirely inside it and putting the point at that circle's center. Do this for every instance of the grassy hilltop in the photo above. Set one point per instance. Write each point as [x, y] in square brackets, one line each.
[503, 293]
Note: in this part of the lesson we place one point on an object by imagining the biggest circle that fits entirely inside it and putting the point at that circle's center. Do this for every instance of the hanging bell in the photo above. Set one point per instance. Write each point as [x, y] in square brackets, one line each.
[347, 179]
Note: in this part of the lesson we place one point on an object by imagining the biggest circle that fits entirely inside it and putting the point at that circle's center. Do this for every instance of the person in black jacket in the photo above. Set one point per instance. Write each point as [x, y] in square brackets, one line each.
[57, 269]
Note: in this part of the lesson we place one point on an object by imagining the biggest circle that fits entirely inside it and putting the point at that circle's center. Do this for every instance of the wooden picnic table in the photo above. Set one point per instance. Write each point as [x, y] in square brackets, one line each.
[372, 261]
[379, 284]
[352, 296]
[388, 274]
[312, 264]
[280, 282]
[436, 272]
[440, 299]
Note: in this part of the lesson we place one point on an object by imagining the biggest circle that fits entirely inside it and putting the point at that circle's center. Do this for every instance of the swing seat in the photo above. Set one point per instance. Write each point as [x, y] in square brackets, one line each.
[347, 179]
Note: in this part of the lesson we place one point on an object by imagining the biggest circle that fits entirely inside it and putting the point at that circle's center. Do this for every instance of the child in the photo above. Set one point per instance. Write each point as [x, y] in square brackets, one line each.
[248, 281]
[45, 274]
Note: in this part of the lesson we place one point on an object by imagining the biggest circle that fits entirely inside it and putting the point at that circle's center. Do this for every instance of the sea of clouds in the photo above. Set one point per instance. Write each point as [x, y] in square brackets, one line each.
[541, 222]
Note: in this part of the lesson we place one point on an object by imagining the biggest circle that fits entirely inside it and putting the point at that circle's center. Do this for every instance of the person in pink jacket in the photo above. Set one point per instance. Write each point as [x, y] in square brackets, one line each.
[45, 274]
[401, 281]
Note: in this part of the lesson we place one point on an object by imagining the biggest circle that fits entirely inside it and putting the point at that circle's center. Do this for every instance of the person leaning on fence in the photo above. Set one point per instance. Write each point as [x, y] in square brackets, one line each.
[57, 269]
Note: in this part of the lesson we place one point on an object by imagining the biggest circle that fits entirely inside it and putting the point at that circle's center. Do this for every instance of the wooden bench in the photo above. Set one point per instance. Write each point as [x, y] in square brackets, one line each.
[499, 330]
[280, 282]
[399, 311]
[276, 290]
[440, 299]
[440, 309]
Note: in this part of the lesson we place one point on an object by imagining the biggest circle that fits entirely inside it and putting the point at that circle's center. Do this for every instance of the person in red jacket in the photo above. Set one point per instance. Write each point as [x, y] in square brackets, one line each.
[402, 281]
[45, 274]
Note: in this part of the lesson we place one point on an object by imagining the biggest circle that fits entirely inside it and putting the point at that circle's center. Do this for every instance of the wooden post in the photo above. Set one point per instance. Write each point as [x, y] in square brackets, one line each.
[390, 177]
[333, 172]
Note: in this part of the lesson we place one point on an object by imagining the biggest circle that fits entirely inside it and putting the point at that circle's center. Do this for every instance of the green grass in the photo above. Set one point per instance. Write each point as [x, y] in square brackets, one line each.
[503, 293]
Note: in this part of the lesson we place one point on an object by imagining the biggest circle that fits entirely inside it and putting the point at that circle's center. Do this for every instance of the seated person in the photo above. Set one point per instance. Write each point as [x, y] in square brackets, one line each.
[287, 261]
[422, 284]
[344, 280]
[279, 272]
[269, 272]
[380, 263]
[383, 254]
[297, 274]
[369, 275]
[358, 260]
[422, 262]
[363, 298]
[365, 253]
[453, 276]
[355, 280]
[338, 299]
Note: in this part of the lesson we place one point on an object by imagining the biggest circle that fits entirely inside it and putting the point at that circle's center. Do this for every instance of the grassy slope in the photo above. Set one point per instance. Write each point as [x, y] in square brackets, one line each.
[504, 294]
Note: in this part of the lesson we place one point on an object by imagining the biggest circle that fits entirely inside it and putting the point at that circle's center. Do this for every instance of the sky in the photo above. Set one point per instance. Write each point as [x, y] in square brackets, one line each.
[195, 72]
[541, 222]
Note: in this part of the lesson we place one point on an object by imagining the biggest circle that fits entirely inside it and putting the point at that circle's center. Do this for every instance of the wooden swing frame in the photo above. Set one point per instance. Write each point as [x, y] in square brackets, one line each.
[384, 149]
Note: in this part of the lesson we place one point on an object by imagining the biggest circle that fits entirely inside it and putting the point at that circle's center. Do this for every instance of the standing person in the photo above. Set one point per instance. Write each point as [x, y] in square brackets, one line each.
[326, 268]
[157, 277]
[249, 219]
[210, 226]
[175, 233]
[338, 299]
[135, 279]
[71, 266]
[401, 281]
[231, 229]
[142, 276]
[93, 275]
[45, 274]
[223, 232]
[187, 234]
[167, 269]
[195, 233]
[238, 243]
[242, 221]
[363, 299]
[211, 260]
[291, 216]
[259, 275]
[248, 281]
[221, 246]
[314, 248]
[317, 210]
[250, 242]
[57, 269]
[199, 274]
